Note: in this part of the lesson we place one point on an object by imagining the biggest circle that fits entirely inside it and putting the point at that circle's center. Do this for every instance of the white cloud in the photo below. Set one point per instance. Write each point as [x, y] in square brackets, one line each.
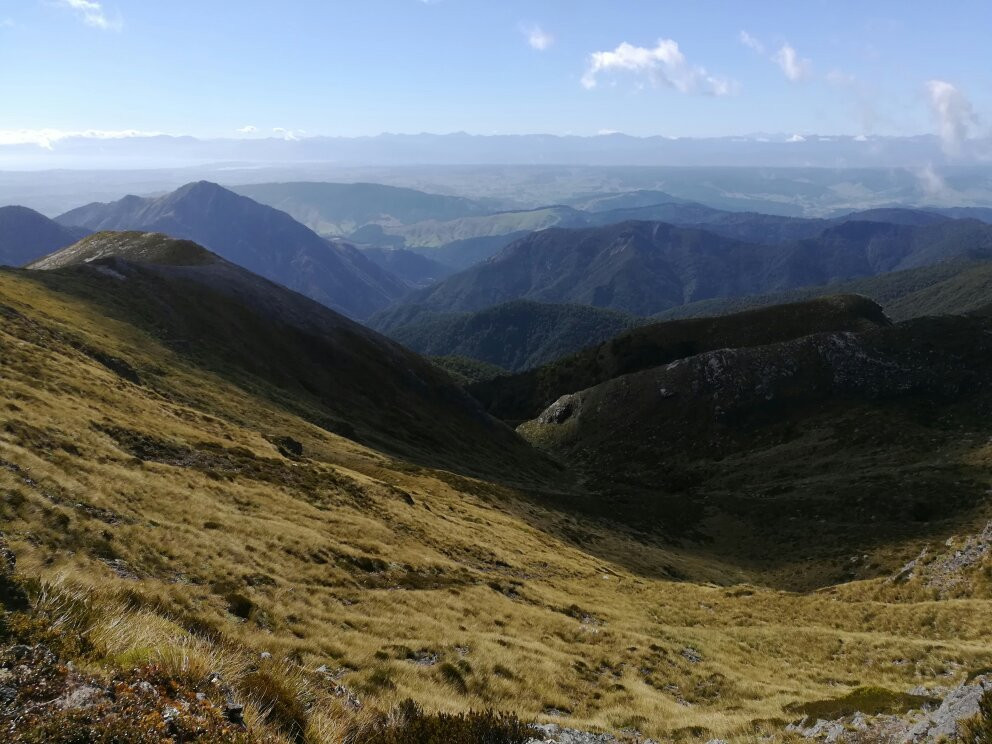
[931, 182]
[795, 67]
[48, 138]
[290, 135]
[93, 14]
[663, 65]
[751, 42]
[952, 112]
[796, 138]
[7, 23]
[607, 132]
[538, 38]
[247, 129]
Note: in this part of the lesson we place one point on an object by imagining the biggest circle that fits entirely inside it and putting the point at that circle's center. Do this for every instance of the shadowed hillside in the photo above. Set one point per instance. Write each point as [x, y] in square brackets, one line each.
[648, 267]
[951, 287]
[26, 235]
[514, 336]
[520, 397]
[782, 454]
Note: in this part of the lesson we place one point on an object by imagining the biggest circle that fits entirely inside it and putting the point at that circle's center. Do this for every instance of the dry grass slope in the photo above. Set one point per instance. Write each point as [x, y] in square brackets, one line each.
[163, 522]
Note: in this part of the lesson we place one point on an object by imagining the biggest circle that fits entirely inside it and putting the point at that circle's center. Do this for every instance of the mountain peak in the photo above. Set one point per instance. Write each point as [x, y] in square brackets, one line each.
[257, 237]
[202, 192]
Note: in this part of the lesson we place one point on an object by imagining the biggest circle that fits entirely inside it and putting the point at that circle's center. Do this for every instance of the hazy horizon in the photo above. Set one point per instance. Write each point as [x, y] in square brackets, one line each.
[305, 69]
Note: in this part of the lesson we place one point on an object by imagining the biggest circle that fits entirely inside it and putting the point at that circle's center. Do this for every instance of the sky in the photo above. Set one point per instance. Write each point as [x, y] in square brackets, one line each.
[297, 68]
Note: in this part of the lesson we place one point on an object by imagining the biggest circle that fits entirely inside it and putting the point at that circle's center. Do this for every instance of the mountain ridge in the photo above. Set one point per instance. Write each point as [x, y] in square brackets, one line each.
[264, 240]
[345, 377]
[648, 267]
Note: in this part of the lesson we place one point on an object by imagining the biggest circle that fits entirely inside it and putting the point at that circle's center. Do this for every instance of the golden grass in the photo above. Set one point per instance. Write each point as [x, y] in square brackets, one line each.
[470, 597]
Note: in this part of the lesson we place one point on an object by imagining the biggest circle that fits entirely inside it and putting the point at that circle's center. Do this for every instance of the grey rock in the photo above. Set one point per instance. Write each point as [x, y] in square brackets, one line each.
[917, 727]
[551, 732]
[426, 658]
[692, 655]
[566, 407]
[85, 696]
[961, 704]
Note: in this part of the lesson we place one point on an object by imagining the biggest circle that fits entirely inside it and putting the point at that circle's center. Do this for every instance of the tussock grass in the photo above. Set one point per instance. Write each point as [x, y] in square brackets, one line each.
[472, 597]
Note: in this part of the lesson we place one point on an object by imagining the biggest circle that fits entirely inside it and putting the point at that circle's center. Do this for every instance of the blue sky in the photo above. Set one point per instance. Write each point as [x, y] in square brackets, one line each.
[356, 67]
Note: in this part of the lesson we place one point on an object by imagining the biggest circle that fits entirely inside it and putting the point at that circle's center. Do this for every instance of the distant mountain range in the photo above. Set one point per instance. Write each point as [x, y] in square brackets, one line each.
[766, 150]
[459, 232]
[257, 237]
[26, 235]
[342, 208]
[951, 287]
[648, 267]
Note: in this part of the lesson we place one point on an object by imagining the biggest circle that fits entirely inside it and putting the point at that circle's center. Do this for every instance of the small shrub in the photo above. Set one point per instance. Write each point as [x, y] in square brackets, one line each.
[281, 690]
[53, 616]
[408, 723]
[379, 679]
[453, 676]
[239, 605]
